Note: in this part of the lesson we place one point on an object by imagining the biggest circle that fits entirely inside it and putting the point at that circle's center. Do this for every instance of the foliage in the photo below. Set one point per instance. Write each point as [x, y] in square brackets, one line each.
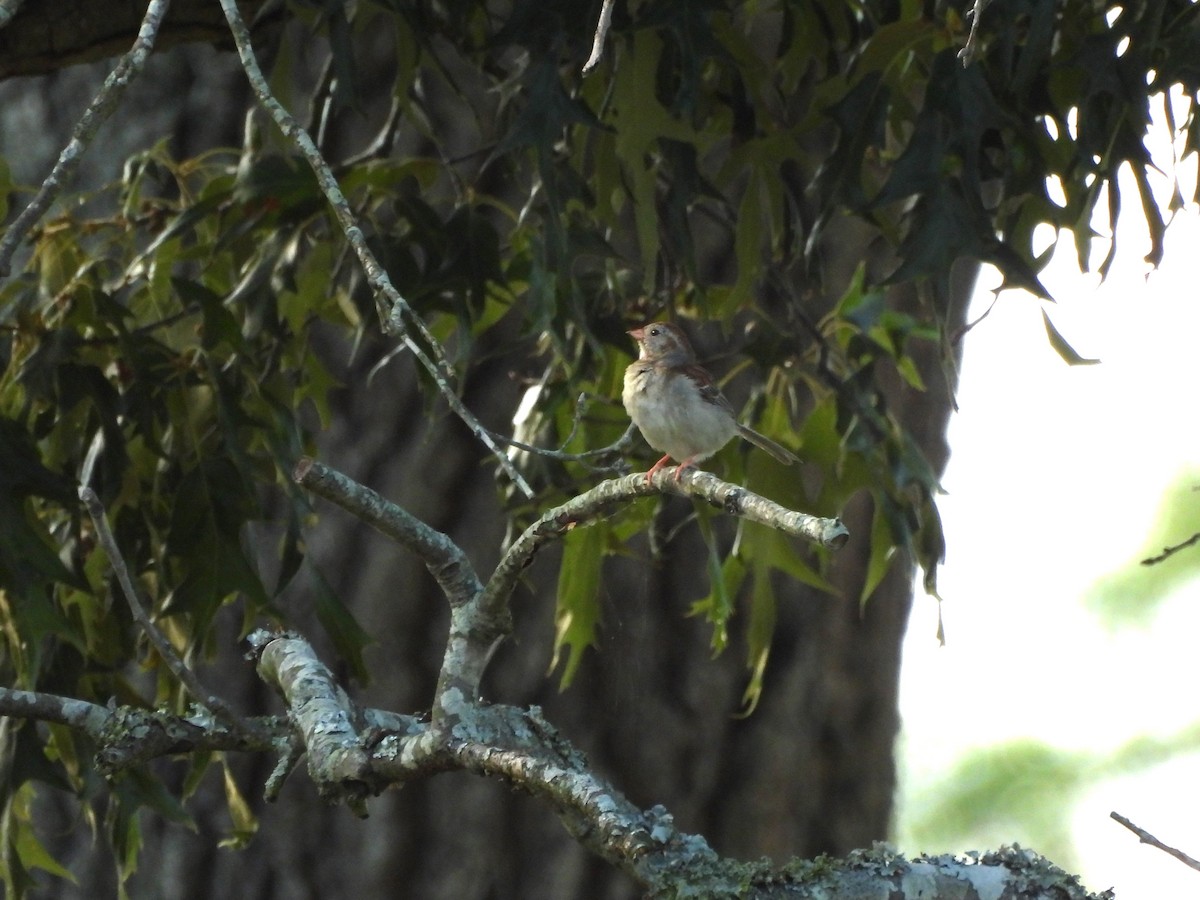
[1017, 791]
[163, 350]
[1134, 592]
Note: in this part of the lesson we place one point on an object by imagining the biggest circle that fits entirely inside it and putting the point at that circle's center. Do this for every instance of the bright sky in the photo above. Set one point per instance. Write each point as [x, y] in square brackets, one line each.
[1055, 480]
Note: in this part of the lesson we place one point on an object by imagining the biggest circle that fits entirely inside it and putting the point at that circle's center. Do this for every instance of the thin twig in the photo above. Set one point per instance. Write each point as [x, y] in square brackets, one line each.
[396, 315]
[613, 451]
[1147, 838]
[1171, 551]
[166, 650]
[130, 65]
[601, 35]
[619, 445]
[971, 49]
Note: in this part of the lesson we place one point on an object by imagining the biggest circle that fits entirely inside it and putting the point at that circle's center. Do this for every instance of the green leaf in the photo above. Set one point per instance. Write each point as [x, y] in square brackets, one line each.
[212, 503]
[134, 789]
[883, 549]
[349, 638]
[889, 48]
[1062, 348]
[578, 609]
[759, 635]
[643, 121]
[724, 576]
[220, 325]
[245, 823]
[198, 762]
[748, 243]
[861, 116]
[33, 854]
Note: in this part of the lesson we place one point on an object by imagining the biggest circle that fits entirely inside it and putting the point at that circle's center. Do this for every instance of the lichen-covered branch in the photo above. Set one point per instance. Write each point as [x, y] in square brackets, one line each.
[89, 717]
[480, 616]
[354, 752]
[127, 735]
[323, 714]
[602, 501]
[395, 314]
[445, 559]
[101, 107]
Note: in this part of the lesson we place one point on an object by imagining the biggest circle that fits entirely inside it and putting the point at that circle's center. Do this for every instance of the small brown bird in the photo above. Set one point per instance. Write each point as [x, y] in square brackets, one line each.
[677, 406]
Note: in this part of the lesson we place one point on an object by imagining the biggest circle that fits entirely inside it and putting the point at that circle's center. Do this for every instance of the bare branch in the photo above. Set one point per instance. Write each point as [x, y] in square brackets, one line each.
[480, 615]
[600, 502]
[1171, 551]
[352, 752]
[164, 647]
[473, 631]
[444, 559]
[127, 69]
[609, 460]
[89, 717]
[1147, 838]
[396, 316]
[971, 49]
[127, 735]
[602, 26]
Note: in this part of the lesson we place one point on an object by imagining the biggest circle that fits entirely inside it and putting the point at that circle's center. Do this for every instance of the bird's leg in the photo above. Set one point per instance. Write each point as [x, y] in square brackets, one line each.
[689, 463]
[658, 465]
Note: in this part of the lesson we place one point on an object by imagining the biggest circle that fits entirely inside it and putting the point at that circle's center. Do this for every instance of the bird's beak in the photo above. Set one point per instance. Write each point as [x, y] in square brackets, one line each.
[637, 334]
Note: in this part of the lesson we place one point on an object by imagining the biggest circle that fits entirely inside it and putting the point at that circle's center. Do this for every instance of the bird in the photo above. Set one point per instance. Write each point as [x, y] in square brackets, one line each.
[676, 404]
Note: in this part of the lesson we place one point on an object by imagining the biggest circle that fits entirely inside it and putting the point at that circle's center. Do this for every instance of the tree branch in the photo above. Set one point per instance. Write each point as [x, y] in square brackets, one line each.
[127, 69]
[165, 649]
[127, 735]
[599, 503]
[352, 752]
[602, 25]
[1147, 838]
[971, 49]
[1168, 552]
[396, 316]
[337, 760]
[521, 748]
[480, 615]
[445, 559]
[89, 717]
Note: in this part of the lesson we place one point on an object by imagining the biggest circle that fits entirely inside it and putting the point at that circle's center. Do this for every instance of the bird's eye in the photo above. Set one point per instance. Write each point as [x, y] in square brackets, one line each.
[655, 332]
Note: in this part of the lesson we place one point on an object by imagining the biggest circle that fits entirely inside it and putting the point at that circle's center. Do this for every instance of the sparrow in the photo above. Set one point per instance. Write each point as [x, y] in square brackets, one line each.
[677, 406]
